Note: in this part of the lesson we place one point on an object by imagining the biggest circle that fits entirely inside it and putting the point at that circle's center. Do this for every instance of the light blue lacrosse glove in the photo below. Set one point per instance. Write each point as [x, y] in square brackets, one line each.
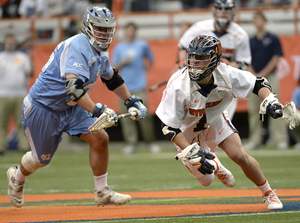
[100, 109]
[135, 104]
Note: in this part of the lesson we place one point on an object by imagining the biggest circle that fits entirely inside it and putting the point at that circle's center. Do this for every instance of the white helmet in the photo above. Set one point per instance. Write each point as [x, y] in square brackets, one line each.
[226, 9]
[99, 25]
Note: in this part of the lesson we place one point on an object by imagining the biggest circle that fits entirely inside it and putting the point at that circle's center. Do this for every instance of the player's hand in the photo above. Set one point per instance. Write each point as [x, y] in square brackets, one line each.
[103, 109]
[198, 158]
[271, 106]
[135, 104]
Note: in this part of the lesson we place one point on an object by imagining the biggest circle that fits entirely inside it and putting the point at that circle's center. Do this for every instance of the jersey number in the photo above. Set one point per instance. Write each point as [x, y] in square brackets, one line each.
[201, 125]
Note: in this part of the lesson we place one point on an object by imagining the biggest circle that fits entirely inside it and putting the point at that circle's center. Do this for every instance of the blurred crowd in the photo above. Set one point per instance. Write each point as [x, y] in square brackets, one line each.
[39, 8]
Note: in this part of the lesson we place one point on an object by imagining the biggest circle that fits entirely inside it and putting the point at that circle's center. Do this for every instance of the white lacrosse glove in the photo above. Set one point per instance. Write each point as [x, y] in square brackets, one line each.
[198, 158]
[101, 110]
[135, 104]
[271, 106]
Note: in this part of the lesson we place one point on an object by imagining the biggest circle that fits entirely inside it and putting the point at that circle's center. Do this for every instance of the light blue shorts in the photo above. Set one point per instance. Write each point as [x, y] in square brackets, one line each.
[44, 127]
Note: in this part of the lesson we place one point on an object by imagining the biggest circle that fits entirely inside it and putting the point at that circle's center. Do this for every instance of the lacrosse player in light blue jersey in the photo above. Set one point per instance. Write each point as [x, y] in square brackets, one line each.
[59, 102]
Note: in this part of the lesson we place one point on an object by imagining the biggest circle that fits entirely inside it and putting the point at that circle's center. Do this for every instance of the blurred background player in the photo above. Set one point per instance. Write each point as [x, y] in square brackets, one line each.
[15, 69]
[134, 58]
[59, 101]
[192, 110]
[266, 51]
[234, 39]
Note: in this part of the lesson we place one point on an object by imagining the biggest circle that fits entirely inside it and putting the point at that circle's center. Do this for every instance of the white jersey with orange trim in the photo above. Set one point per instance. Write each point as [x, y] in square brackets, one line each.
[235, 42]
[186, 106]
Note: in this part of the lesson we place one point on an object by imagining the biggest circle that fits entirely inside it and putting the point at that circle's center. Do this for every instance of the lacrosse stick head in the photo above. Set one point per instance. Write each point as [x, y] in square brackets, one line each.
[104, 121]
[289, 115]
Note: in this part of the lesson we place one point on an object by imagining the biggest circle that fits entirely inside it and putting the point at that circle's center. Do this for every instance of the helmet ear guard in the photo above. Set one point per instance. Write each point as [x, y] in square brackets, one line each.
[201, 47]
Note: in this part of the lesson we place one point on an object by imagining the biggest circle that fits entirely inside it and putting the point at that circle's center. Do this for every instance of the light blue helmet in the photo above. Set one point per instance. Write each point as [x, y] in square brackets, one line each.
[99, 25]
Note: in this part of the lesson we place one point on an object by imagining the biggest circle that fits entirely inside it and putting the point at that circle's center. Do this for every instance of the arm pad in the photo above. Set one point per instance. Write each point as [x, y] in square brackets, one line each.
[113, 82]
[74, 88]
[260, 83]
[169, 132]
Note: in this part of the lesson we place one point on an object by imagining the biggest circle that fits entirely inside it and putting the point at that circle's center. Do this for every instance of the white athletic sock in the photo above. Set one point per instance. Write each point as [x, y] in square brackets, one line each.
[265, 187]
[19, 176]
[100, 182]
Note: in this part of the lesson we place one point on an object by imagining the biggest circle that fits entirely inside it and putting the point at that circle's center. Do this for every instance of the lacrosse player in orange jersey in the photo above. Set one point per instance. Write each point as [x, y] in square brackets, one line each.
[192, 112]
[234, 39]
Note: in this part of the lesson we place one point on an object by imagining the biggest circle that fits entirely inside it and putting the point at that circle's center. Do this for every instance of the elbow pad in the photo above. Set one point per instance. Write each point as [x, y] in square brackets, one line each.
[261, 82]
[169, 132]
[113, 82]
[74, 88]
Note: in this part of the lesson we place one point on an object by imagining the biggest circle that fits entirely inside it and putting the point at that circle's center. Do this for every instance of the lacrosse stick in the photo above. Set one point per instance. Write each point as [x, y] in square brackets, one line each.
[106, 120]
[154, 87]
[289, 115]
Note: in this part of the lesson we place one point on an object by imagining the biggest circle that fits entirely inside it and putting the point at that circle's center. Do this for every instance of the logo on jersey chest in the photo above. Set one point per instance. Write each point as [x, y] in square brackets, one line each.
[201, 112]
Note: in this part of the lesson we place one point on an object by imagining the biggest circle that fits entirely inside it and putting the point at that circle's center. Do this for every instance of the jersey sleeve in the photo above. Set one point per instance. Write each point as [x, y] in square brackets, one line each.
[188, 36]
[105, 68]
[243, 52]
[74, 60]
[242, 82]
[171, 108]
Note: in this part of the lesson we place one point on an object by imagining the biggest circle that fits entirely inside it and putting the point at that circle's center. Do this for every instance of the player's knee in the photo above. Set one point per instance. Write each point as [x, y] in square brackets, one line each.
[242, 159]
[206, 180]
[99, 139]
[30, 163]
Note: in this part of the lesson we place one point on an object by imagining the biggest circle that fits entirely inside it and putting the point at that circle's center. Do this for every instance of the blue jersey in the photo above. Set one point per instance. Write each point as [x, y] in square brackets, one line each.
[76, 56]
[133, 73]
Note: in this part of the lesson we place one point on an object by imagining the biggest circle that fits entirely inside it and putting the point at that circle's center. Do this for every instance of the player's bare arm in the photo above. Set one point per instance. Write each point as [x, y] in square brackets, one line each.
[181, 141]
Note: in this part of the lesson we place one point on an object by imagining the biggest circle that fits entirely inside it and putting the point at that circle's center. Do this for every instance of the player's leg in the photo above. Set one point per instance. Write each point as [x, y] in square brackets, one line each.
[219, 130]
[234, 149]
[98, 140]
[224, 175]
[43, 145]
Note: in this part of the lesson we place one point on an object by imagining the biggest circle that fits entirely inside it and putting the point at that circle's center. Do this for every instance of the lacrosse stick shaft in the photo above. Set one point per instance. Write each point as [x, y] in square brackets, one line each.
[127, 115]
[154, 87]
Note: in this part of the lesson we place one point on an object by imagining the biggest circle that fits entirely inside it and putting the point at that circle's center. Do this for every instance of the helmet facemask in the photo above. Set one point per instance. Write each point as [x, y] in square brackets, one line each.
[100, 37]
[200, 66]
[203, 55]
[224, 12]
